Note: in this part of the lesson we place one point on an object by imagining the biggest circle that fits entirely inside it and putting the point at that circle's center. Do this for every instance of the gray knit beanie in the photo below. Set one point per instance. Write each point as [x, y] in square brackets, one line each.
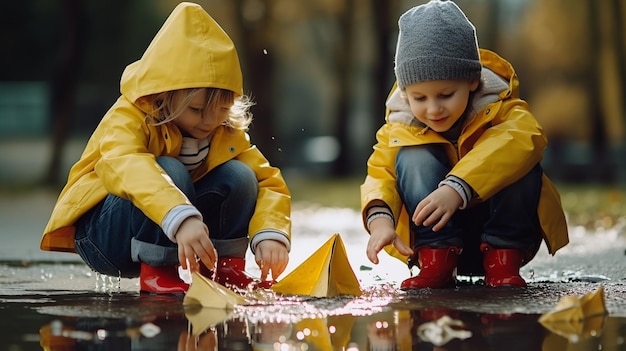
[436, 42]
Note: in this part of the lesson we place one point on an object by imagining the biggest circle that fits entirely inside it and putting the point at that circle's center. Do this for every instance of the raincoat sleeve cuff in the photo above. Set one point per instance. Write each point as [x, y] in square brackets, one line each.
[378, 212]
[175, 217]
[461, 187]
[269, 235]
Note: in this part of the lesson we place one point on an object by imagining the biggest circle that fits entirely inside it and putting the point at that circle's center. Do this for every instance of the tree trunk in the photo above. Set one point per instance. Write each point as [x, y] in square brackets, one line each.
[257, 79]
[490, 35]
[63, 86]
[343, 165]
[620, 51]
[597, 116]
[385, 77]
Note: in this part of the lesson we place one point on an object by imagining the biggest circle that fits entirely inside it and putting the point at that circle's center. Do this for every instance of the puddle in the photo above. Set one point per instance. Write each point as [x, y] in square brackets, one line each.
[63, 306]
[136, 322]
[41, 313]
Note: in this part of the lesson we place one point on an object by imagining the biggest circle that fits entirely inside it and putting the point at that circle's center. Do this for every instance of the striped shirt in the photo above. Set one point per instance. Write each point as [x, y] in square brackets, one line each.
[193, 152]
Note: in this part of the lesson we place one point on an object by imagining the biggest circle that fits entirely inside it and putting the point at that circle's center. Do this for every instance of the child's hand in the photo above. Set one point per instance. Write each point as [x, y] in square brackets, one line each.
[271, 255]
[383, 233]
[438, 207]
[193, 242]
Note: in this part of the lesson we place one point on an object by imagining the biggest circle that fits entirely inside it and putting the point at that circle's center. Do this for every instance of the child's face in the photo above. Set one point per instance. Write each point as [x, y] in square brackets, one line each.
[198, 121]
[439, 103]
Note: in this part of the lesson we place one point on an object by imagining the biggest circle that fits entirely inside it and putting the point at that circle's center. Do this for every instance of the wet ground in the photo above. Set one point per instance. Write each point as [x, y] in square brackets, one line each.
[51, 301]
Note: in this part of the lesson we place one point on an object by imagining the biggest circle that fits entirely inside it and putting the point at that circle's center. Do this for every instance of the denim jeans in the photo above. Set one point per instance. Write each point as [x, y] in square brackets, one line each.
[507, 220]
[115, 236]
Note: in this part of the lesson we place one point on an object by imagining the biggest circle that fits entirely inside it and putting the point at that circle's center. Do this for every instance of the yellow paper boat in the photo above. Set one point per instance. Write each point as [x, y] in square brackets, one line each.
[577, 316]
[207, 293]
[326, 273]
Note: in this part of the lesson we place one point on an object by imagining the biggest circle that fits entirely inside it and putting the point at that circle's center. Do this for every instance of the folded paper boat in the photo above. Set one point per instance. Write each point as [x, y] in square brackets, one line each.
[326, 273]
[207, 293]
[208, 303]
[577, 316]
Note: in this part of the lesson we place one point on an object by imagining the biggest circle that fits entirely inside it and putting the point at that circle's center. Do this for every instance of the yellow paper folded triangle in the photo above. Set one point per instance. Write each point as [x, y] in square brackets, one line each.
[326, 273]
[207, 293]
[577, 316]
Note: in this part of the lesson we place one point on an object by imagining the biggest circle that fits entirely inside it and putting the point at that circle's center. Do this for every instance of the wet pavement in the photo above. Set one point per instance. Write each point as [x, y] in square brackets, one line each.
[51, 301]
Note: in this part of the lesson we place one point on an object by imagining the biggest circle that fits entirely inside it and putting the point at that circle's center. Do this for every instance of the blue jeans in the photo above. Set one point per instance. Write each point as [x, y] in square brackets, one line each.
[114, 237]
[507, 220]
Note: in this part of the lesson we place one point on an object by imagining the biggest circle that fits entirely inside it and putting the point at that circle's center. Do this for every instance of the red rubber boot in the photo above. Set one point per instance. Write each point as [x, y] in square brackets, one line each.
[161, 280]
[502, 266]
[436, 268]
[231, 272]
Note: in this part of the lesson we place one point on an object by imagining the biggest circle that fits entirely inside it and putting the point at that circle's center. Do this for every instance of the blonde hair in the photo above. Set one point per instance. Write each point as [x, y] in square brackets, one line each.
[239, 116]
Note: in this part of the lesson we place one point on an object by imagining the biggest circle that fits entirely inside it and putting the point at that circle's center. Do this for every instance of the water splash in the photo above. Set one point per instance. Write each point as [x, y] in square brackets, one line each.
[108, 284]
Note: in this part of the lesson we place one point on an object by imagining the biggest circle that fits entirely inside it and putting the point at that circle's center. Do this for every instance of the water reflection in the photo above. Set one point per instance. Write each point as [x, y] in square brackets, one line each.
[439, 332]
[63, 312]
[138, 323]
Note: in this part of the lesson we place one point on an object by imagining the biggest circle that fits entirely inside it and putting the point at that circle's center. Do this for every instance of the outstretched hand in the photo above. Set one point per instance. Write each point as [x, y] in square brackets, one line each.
[383, 233]
[437, 208]
[194, 243]
[271, 255]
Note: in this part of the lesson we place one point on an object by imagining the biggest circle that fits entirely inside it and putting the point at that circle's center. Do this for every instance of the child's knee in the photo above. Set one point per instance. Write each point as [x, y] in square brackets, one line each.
[177, 172]
[242, 177]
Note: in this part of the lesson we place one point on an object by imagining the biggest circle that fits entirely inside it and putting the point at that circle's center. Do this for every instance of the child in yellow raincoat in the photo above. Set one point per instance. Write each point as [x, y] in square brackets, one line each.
[169, 177]
[455, 181]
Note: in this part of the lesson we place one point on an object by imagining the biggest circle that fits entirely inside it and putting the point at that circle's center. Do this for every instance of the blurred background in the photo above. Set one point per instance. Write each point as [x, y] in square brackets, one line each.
[319, 71]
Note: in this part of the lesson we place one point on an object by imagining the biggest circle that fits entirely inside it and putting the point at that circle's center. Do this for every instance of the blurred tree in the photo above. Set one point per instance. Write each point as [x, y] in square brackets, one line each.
[600, 162]
[253, 18]
[324, 68]
[93, 52]
[64, 82]
[617, 10]
[385, 37]
[574, 89]
[344, 53]
[490, 37]
[353, 20]
[28, 33]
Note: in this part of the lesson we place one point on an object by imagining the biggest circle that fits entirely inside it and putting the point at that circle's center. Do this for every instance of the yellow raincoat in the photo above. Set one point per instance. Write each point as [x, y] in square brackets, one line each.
[190, 50]
[497, 146]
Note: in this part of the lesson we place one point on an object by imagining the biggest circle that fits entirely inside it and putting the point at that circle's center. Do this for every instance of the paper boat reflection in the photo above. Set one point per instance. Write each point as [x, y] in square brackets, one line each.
[577, 316]
[330, 333]
[203, 318]
[207, 293]
[326, 273]
[208, 303]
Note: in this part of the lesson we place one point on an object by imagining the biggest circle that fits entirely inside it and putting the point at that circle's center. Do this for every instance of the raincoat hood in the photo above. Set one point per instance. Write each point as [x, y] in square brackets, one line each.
[190, 50]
